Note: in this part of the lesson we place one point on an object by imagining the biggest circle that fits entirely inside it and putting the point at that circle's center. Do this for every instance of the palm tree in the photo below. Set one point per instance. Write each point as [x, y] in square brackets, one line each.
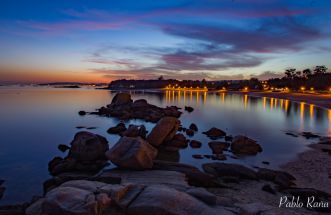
[307, 72]
[290, 73]
[320, 70]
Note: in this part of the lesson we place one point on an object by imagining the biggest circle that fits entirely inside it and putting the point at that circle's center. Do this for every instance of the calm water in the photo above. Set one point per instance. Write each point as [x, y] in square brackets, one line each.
[33, 121]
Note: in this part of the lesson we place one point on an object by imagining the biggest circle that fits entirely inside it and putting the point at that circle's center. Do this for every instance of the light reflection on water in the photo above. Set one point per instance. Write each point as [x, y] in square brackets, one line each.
[35, 120]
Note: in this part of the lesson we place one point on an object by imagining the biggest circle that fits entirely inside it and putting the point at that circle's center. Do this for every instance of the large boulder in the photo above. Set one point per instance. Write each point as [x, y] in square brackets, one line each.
[214, 133]
[164, 131]
[245, 146]
[87, 146]
[232, 170]
[121, 99]
[87, 153]
[132, 153]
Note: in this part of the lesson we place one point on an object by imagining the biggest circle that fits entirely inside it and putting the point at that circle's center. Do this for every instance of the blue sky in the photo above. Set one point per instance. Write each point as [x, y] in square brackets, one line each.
[214, 39]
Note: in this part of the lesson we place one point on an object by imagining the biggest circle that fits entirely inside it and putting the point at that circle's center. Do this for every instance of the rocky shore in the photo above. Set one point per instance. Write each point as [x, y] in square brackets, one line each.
[146, 181]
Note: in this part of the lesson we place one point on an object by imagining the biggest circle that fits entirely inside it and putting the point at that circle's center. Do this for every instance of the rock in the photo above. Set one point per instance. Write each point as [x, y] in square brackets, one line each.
[121, 99]
[203, 195]
[164, 131]
[135, 131]
[82, 113]
[197, 156]
[253, 208]
[245, 146]
[269, 189]
[230, 179]
[228, 138]
[309, 135]
[132, 153]
[281, 178]
[91, 128]
[189, 109]
[162, 200]
[189, 132]
[291, 134]
[178, 141]
[118, 129]
[221, 157]
[2, 189]
[35, 208]
[13, 209]
[325, 140]
[194, 127]
[63, 147]
[214, 133]
[224, 169]
[194, 175]
[195, 144]
[266, 162]
[304, 193]
[80, 127]
[140, 103]
[218, 147]
[76, 197]
[87, 146]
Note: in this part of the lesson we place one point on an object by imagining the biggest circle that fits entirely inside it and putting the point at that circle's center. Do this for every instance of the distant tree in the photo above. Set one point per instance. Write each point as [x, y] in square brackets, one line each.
[307, 72]
[320, 70]
[203, 82]
[161, 78]
[298, 73]
[290, 73]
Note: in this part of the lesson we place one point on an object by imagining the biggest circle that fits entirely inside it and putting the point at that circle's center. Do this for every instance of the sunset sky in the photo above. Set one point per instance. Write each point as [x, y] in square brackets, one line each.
[99, 41]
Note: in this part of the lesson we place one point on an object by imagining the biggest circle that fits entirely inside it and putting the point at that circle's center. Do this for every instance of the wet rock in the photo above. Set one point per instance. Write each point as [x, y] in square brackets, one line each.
[325, 140]
[13, 209]
[189, 132]
[230, 179]
[220, 157]
[132, 153]
[214, 133]
[164, 131]
[189, 109]
[82, 113]
[197, 156]
[179, 141]
[235, 170]
[91, 128]
[195, 144]
[218, 147]
[63, 147]
[87, 153]
[193, 127]
[245, 146]
[118, 129]
[80, 127]
[269, 189]
[203, 195]
[266, 162]
[194, 175]
[87, 146]
[309, 135]
[291, 134]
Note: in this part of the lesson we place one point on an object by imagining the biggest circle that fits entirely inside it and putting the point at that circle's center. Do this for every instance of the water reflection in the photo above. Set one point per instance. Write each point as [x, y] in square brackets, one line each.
[290, 109]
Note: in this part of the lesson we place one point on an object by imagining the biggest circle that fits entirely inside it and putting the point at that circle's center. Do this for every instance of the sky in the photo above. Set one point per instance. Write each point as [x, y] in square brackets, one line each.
[105, 40]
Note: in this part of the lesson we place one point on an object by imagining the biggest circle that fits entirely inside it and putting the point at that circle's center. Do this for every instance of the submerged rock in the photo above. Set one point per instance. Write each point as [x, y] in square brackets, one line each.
[132, 153]
[189, 132]
[214, 133]
[179, 141]
[281, 178]
[164, 131]
[245, 146]
[63, 147]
